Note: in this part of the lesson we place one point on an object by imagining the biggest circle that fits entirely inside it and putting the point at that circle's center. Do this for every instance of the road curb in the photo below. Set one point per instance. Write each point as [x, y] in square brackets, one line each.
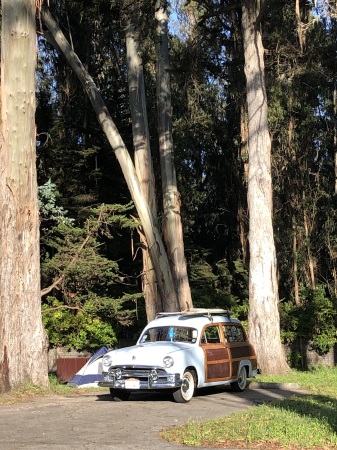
[269, 385]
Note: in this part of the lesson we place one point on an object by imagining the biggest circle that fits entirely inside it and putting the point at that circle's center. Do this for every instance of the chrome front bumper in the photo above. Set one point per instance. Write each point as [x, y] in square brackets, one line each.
[139, 379]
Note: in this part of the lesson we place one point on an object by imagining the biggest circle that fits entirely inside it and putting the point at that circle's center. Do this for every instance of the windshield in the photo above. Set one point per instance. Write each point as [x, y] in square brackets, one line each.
[174, 334]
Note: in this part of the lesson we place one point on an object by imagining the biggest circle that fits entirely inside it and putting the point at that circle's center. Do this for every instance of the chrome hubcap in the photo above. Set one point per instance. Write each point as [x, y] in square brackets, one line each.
[186, 387]
[242, 378]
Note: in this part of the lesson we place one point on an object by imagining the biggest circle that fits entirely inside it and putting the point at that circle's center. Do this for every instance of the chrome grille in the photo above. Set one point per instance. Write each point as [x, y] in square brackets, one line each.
[137, 372]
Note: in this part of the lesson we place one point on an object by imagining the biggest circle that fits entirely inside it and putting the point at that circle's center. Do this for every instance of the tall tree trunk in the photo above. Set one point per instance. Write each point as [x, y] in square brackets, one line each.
[172, 226]
[295, 262]
[335, 131]
[242, 209]
[264, 319]
[299, 24]
[311, 259]
[333, 258]
[153, 237]
[23, 341]
[143, 159]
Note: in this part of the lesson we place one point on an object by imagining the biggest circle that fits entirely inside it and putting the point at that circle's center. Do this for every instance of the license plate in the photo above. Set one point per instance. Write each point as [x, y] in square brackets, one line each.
[132, 384]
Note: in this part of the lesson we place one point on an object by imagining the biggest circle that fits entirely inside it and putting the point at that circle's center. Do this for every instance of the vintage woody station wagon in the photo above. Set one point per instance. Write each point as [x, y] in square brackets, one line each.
[181, 352]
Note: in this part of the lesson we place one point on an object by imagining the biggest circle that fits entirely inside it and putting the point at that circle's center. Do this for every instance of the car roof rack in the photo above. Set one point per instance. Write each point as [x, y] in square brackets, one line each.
[209, 312]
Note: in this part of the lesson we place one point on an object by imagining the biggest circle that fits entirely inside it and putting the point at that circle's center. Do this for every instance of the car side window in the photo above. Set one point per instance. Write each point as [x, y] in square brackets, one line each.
[211, 335]
[233, 333]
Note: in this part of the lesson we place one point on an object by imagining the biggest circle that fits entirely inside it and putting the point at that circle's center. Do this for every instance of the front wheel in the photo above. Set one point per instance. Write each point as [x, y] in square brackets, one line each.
[187, 388]
[119, 395]
[241, 383]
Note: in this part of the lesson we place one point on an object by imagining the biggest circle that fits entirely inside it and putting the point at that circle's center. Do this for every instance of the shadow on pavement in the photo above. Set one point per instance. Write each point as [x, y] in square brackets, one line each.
[250, 396]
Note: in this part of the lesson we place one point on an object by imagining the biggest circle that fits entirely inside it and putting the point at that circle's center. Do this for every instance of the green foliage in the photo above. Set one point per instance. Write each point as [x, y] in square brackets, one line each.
[91, 298]
[218, 285]
[208, 95]
[49, 210]
[314, 320]
[83, 330]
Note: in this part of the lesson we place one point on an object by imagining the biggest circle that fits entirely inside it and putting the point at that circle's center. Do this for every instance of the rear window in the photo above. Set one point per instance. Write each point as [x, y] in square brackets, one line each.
[234, 333]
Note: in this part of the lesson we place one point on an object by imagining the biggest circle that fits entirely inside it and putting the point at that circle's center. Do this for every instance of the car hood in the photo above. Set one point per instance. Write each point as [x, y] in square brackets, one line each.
[147, 354]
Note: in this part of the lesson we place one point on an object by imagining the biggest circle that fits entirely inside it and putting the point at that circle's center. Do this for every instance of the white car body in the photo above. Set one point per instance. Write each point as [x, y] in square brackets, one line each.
[181, 352]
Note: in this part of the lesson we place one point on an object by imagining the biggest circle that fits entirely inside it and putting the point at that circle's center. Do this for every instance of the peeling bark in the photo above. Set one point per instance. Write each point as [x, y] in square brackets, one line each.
[23, 349]
[143, 160]
[264, 320]
[172, 225]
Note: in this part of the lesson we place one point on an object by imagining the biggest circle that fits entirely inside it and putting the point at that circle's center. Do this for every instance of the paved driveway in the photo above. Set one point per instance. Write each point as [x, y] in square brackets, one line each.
[91, 421]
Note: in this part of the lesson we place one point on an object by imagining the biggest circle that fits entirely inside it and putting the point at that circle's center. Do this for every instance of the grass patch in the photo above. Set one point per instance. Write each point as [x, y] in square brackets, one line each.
[300, 422]
[319, 380]
[28, 392]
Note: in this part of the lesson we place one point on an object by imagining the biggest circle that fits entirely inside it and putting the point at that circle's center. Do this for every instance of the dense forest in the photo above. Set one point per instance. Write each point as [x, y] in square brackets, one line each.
[89, 238]
[84, 197]
[92, 240]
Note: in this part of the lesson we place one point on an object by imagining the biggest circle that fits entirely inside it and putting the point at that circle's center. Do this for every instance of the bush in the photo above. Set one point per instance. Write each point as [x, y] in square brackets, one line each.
[314, 320]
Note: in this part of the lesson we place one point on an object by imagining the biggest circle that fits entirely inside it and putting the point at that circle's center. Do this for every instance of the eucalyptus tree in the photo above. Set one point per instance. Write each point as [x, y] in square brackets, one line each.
[301, 118]
[172, 225]
[23, 350]
[294, 126]
[207, 91]
[150, 227]
[264, 318]
[142, 147]
[143, 165]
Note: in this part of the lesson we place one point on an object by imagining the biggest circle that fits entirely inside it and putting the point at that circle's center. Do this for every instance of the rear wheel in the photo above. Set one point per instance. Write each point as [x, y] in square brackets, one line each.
[241, 383]
[119, 395]
[187, 388]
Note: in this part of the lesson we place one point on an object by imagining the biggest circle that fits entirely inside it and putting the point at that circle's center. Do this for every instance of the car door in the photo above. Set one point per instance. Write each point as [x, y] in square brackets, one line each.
[217, 357]
[238, 346]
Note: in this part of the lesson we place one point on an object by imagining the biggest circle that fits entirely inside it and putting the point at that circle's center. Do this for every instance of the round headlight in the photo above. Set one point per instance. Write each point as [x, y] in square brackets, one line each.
[168, 361]
[107, 360]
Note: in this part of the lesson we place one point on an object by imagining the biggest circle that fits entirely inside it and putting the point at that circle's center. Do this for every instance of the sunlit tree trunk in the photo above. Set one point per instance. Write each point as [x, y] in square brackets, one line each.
[143, 159]
[23, 342]
[295, 262]
[264, 320]
[300, 33]
[330, 247]
[242, 209]
[307, 231]
[172, 226]
[152, 235]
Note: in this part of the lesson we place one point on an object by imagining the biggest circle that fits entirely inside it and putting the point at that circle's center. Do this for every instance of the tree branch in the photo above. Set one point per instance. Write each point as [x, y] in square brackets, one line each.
[221, 10]
[154, 239]
[262, 4]
[48, 289]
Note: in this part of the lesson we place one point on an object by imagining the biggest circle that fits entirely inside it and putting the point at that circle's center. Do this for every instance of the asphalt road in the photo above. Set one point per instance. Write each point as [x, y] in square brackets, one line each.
[91, 421]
